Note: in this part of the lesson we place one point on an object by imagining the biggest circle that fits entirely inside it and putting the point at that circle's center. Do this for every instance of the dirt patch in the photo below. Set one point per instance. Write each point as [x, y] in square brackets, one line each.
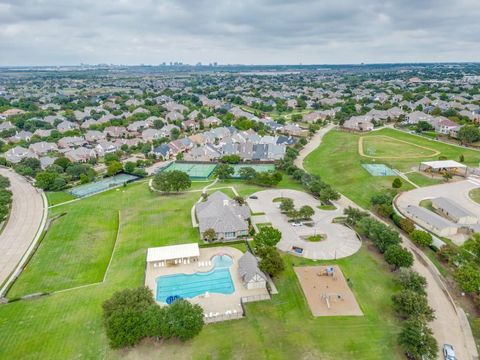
[328, 294]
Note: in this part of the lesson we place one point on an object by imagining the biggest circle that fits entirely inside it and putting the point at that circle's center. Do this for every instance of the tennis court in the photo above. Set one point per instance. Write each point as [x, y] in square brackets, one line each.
[379, 170]
[256, 167]
[194, 170]
[102, 185]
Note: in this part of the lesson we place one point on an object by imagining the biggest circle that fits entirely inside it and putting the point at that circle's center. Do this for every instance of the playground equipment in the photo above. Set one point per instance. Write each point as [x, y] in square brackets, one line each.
[329, 271]
[334, 296]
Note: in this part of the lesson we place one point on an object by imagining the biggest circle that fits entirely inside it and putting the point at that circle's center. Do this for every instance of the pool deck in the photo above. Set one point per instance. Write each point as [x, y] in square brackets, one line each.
[213, 303]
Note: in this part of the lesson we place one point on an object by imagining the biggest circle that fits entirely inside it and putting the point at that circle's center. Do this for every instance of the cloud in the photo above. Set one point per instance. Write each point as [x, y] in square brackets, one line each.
[247, 31]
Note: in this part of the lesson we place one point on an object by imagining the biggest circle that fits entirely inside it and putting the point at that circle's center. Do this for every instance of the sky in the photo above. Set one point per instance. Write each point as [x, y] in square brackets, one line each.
[65, 32]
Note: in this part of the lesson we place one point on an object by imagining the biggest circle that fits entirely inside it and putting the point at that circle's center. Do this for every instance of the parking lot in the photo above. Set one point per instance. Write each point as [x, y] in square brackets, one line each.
[340, 241]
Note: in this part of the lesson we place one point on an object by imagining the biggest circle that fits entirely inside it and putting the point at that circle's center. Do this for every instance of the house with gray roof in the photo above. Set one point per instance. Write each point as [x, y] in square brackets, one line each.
[225, 216]
[248, 270]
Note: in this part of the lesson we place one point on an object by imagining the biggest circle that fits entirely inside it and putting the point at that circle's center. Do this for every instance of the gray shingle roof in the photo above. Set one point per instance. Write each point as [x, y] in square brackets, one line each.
[248, 267]
[429, 217]
[454, 209]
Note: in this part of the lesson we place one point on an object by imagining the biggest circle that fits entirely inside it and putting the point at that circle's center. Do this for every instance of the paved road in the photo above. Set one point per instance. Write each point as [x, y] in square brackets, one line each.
[340, 241]
[25, 219]
[451, 325]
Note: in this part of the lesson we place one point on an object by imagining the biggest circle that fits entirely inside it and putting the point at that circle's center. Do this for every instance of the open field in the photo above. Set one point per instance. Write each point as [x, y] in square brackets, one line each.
[338, 154]
[386, 147]
[68, 324]
[423, 180]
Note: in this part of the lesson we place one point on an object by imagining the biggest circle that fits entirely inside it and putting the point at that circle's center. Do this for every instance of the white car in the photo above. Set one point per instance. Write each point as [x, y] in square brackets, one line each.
[448, 352]
[296, 223]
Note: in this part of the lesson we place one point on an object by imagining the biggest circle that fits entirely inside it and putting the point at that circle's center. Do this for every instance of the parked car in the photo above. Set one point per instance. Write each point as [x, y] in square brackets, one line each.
[448, 352]
[254, 197]
[296, 223]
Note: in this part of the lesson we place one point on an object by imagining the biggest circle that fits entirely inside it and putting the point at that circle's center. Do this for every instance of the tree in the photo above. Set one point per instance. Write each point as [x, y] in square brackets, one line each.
[409, 303]
[327, 194]
[354, 215]
[184, 320]
[114, 168]
[174, 133]
[230, 159]
[158, 124]
[174, 180]
[271, 262]
[129, 167]
[50, 181]
[421, 238]
[286, 205]
[209, 234]
[417, 340]
[398, 256]
[306, 212]
[411, 280]
[267, 236]
[397, 183]
[123, 316]
[468, 278]
[247, 173]
[468, 134]
[239, 199]
[224, 171]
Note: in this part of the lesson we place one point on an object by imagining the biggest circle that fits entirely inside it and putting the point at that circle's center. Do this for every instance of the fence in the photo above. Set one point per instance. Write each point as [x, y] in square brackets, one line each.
[223, 317]
[253, 298]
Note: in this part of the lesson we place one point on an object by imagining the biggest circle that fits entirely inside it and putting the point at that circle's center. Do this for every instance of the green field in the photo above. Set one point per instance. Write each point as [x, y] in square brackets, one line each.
[338, 162]
[77, 249]
[423, 179]
[475, 195]
[58, 197]
[389, 147]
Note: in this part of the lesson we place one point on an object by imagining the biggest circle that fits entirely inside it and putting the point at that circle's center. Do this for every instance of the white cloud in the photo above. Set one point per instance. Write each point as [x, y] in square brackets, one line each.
[228, 31]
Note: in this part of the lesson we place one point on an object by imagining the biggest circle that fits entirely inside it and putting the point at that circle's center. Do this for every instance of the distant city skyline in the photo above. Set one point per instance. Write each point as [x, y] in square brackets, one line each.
[261, 32]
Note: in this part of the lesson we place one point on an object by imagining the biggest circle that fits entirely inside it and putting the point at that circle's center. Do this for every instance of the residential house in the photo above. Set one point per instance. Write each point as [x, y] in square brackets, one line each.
[105, 147]
[163, 151]
[17, 154]
[81, 154]
[71, 142]
[94, 135]
[42, 148]
[65, 126]
[20, 136]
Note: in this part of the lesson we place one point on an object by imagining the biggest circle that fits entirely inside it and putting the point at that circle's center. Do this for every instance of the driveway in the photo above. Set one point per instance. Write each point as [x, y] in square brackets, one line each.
[26, 217]
[340, 241]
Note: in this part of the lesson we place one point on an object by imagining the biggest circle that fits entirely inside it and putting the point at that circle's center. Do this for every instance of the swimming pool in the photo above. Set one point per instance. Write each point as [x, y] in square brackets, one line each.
[217, 280]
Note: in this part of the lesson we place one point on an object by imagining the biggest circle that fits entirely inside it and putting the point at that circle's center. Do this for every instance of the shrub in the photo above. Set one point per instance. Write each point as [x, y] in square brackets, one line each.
[268, 236]
[407, 225]
[421, 238]
[183, 320]
[397, 183]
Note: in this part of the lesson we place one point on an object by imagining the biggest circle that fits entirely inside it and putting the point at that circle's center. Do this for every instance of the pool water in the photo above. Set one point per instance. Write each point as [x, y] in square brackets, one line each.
[217, 280]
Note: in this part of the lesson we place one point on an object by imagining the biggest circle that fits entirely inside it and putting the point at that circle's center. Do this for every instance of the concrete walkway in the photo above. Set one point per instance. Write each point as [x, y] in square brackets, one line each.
[24, 226]
[314, 142]
[450, 325]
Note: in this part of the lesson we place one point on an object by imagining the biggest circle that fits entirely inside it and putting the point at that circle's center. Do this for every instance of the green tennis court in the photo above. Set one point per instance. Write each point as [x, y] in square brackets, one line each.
[194, 170]
[256, 167]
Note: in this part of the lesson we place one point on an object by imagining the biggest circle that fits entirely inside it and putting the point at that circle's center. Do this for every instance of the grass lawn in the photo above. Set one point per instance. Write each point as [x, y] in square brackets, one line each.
[285, 329]
[422, 180]
[475, 195]
[77, 249]
[327, 207]
[338, 162]
[58, 197]
[389, 147]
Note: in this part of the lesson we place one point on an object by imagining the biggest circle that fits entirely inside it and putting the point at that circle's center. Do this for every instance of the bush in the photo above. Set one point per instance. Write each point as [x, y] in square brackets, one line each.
[407, 225]
[168, 181]
[398, 256]
[397, 183]
[421, 238]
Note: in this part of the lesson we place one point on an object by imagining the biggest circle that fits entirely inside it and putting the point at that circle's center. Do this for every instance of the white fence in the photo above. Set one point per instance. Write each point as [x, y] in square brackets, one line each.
[260, 297]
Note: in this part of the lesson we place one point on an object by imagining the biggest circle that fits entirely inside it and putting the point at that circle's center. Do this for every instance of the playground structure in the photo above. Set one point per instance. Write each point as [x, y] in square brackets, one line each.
[327, 291]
